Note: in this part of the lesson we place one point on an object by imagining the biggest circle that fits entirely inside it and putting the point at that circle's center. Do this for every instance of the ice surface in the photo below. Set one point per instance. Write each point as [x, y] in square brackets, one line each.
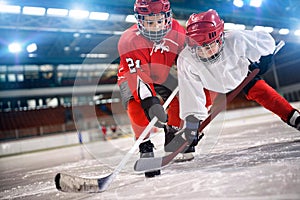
[254, 157]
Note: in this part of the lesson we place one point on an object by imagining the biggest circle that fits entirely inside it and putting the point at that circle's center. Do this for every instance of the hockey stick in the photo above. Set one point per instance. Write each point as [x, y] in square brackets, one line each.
[147, 164]
[280, 44]
[70, 183]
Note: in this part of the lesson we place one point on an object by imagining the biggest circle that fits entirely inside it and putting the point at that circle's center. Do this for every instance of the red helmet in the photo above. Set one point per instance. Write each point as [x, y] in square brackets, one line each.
[154, 8]
[147, 7]
[204, 28]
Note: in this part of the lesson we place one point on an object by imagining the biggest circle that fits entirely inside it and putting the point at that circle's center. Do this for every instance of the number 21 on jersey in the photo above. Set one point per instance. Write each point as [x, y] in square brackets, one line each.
[133, 65]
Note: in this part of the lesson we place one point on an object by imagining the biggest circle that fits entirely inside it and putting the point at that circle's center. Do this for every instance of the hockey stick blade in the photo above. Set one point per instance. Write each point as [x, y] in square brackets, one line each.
[70, 183]
[148, 164]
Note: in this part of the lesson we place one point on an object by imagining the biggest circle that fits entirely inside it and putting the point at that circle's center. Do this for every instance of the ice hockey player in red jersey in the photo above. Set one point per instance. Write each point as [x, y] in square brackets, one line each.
[148, 50]
[219, 61]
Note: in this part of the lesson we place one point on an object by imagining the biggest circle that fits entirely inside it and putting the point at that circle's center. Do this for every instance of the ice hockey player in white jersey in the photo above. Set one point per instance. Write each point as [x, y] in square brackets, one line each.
[219, 61]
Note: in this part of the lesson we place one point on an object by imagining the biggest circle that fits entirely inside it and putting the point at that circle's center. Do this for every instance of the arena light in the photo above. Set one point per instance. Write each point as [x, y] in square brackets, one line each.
[76, 35]
[39, 11]
[118, 32]
[98, 16]
[79, 14]
[32, 55]
[10, 9]
[238, 3]
[14, 47]
[284, 31]
[297, 32]
[263, 28]
[130, 19]
[94, 55]
[268, 29]
[67, 48]
[57, 12]
[255, 3]
[31, 48]
[232, 26]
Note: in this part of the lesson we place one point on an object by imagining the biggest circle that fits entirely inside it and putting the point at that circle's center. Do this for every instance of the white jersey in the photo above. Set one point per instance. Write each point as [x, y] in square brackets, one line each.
[222, 76]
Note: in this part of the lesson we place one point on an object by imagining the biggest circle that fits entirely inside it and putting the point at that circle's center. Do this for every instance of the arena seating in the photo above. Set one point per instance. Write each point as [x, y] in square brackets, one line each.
[26, 123]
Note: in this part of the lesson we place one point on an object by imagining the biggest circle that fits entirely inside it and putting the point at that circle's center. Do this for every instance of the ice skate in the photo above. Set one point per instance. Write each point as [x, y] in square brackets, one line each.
[294, 120]
[187, 155]
[146, 151]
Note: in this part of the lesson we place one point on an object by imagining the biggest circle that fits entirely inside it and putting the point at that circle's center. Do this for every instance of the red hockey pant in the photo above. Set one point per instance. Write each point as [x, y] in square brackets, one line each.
[139, 120]
[266, 96]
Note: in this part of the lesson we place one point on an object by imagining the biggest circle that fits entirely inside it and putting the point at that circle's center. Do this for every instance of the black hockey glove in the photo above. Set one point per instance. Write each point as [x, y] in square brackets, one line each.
[189, 133]
[152, 108]
[191, 130]
[264, 64]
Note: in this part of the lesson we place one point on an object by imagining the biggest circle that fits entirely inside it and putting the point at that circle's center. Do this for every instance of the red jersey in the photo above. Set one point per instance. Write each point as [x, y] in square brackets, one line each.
[144, 63]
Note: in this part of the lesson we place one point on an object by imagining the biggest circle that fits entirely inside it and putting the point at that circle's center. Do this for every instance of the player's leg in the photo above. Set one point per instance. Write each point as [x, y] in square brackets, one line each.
[139, 122]
[266, 96]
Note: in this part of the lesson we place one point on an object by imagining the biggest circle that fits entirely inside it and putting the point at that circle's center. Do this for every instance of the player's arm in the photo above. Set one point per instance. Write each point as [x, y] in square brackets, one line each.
[260, 48]
[136, 71]
[192, 97]
[192, 101]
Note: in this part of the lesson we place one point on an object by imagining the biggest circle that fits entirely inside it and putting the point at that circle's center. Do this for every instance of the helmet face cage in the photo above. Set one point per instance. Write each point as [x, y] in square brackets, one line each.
[145, 26]
[205, 33]
[201, 52]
